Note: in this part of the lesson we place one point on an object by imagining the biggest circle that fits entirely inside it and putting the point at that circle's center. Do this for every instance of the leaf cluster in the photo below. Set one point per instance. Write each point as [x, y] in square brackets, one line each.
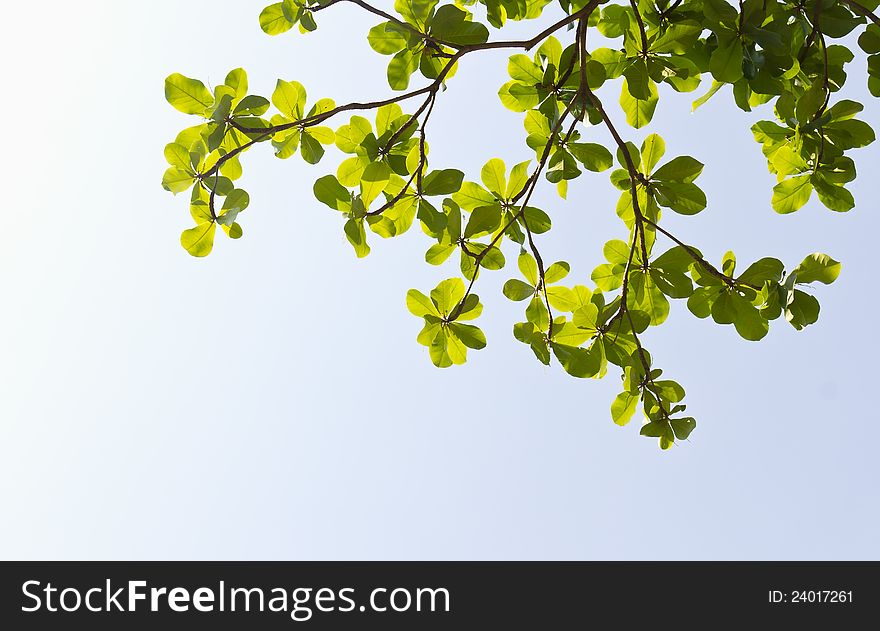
[785, 58]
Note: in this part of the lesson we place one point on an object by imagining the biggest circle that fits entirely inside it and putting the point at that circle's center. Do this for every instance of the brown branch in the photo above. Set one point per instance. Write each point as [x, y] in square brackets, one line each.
[729, 281]
[817, 13]
[862, 10]
[641, 23]
[526, 194]
[672, 7]
[434, 86]
[382, 14]
[634, 176]
[417, 173]
[412, 119]
[528, 44]
[624, 308]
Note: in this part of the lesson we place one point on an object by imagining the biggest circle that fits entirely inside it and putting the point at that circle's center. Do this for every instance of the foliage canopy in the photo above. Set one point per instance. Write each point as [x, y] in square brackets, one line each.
[773, 53]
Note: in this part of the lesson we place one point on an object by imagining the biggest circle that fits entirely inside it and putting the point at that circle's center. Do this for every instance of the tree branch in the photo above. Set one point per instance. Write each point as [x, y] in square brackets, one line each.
[434, 86]
[641, 23]
[862, 10]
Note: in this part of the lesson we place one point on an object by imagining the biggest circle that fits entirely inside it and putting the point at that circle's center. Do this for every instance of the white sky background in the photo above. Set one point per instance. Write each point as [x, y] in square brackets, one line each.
[270, 402]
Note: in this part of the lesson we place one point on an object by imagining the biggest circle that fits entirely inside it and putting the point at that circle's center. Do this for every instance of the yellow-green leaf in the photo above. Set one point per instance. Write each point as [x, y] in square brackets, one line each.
[186, 95]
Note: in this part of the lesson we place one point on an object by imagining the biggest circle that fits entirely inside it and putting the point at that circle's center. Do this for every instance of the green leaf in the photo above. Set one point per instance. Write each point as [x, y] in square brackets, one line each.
[624, 407]
[675, 259]
[416, 12]
[556, 272]
[329, 191]
[652, 151]
[439, 350]
[761, 271]
[709, 94]
[538, 221]
[493, 176]
[450, 24]
[493, 258]
[519, 177]
[537, 314]
[471, 308]
[471, 196]
[817, 267]
[593, 156]
[350, 137]
[517, 290]
[680, 169]
[562, 298]
[637, 80]
[672, 283]
[678, 37]
[579, 362]
[471, 336]
[661, 430]
[810, 101]
[726, 62]
[442, 182]
[614, 21]
[529, 267]
[683, 427]
[571, 335]
[834, 197]
[236, 202]
[608, 277]
[357, 237]
[273, 20]
[786, 161]
[668, 390]
[252, 106]
[401, 67]
[616, 251]
[286, 146]
[373, 181]
[419, 304]
[648, 297]
[851, 133]
[387, 38]
[176, 180]
[723, 310]
[748, 321]
[238, 81]
[307, 22]
[802, 311]
[438, 253]
[324, 135]
[178, 156]
[521, 68]
[518, 97]
[186, 95]
[702, 300]
[390, 118]
[233, 231]
[483, 220]
[869, 40]
[310, 149]
[791, 194]
[587, 317]
[290, 98]
[199, 241]
[448, 294]
[639, 112]
[683, 198]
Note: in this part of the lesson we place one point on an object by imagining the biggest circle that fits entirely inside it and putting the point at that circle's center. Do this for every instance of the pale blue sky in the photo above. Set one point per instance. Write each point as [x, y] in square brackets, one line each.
[270, 402]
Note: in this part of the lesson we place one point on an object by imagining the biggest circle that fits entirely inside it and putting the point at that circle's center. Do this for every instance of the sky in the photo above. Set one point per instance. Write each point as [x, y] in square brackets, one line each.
[271, 402]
